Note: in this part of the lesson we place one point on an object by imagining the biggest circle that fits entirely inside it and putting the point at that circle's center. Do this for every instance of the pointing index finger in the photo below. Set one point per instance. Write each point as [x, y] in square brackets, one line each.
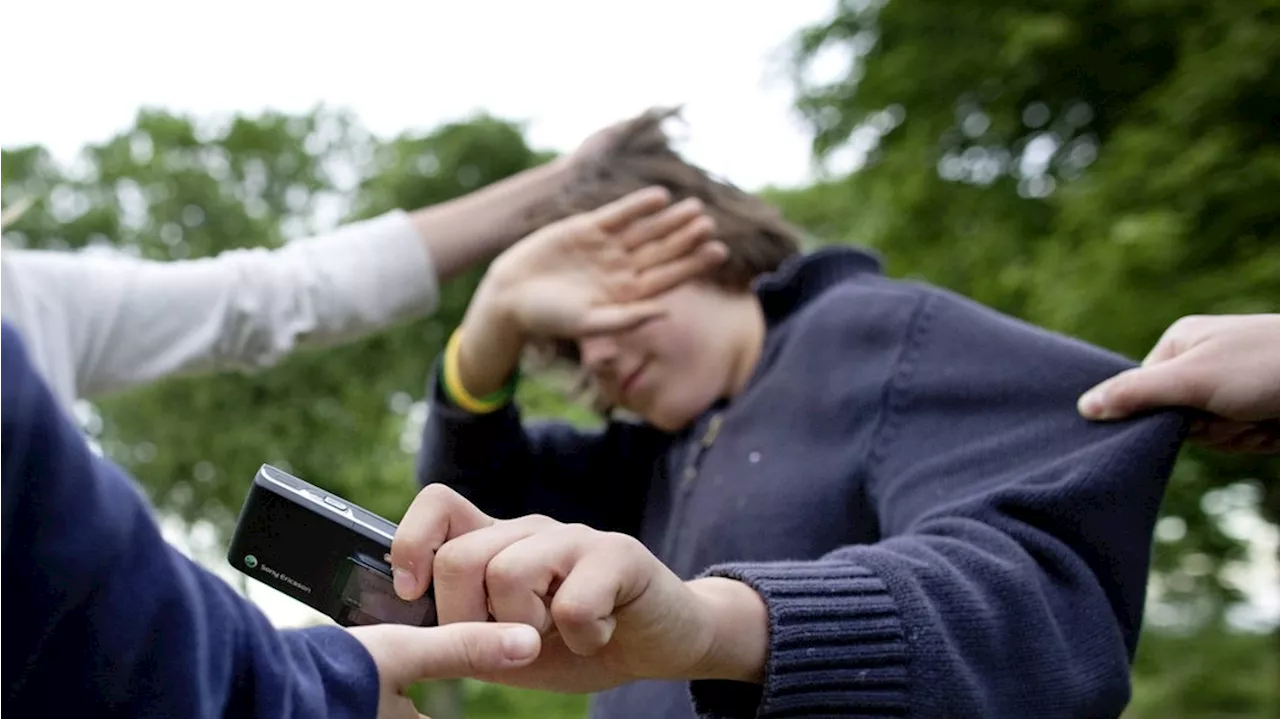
[437, 515]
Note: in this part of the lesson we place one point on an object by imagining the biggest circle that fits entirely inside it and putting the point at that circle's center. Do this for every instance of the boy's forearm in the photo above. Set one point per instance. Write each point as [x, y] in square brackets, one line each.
[489, 344]
[741, 630]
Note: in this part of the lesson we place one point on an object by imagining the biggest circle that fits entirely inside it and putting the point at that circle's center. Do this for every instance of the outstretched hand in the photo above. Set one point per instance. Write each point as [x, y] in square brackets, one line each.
[592, 273]
[598, 271]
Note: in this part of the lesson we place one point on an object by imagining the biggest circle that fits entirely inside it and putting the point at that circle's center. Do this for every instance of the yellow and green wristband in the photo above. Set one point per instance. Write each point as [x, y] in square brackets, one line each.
[459, 395]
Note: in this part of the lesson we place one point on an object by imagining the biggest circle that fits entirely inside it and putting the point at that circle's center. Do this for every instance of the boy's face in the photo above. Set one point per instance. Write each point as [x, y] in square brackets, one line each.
[671, 369]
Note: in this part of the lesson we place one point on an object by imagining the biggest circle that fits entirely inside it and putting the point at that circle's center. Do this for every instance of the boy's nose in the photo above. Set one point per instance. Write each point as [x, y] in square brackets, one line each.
[597, 352]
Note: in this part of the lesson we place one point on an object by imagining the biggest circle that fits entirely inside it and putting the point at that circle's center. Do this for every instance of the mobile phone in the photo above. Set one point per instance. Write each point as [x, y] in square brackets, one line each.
[323, 551]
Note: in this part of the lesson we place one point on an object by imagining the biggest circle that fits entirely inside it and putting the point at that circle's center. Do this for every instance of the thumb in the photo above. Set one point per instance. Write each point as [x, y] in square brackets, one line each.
[618, 318]
[1163, 384]
[452, 651]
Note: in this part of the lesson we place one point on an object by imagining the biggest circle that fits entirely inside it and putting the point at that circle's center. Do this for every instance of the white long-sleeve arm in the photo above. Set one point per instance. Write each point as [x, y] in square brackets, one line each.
[100, 322]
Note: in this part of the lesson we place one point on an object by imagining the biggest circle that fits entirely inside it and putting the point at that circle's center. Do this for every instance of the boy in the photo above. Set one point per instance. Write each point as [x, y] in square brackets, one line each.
[896, 475]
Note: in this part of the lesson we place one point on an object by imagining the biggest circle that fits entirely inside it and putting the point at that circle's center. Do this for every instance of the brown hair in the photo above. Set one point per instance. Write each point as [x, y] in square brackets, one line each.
[638, 154]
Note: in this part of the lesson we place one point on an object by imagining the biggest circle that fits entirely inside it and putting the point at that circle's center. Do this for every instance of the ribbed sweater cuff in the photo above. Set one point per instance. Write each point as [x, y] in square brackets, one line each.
[836, 646]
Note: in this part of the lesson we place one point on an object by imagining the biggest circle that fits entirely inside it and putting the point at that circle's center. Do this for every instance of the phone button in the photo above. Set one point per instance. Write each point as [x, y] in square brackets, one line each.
[335, 503]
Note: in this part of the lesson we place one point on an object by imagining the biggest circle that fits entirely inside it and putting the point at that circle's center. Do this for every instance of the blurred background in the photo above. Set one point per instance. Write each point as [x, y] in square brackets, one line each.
[1099, 167]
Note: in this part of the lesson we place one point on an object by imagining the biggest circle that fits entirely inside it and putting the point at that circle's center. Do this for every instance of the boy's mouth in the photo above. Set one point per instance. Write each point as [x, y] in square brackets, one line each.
[629, 382]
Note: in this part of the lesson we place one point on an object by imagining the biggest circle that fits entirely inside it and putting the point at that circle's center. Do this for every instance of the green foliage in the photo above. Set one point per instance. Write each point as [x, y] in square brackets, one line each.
[1211, 674]
[487, 701]
[491, 701]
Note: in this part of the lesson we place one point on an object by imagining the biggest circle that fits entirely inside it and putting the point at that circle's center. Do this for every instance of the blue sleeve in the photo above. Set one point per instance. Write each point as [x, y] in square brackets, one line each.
[508, 469]
[1011, 572]
[103, 617]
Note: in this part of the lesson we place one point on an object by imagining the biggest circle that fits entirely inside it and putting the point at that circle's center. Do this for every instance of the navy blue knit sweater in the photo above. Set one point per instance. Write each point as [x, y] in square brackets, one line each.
[906, 482]
[103, 618]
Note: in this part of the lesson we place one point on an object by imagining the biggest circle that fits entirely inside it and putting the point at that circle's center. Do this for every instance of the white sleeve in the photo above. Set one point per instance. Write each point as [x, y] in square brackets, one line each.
[129, 321]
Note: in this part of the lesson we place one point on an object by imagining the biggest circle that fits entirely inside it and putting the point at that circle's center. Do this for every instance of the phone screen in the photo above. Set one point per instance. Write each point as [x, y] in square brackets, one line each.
[370, 598]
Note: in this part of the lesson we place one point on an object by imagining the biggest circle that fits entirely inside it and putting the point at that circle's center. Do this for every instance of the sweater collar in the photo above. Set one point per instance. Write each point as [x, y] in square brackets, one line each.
[803, 277]
[799, 280]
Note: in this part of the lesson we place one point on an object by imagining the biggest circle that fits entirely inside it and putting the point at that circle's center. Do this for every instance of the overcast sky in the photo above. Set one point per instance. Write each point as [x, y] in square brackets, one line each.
[76, 72]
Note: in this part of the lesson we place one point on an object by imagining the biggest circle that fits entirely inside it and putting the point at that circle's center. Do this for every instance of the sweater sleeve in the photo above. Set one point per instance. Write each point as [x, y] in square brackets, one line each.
[508, 468]
[104, 618]
[123, 321]
[1011, 572]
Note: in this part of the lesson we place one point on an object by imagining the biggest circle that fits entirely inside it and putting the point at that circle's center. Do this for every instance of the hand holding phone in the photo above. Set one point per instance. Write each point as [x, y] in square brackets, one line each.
[322, 550]
[610, 611]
